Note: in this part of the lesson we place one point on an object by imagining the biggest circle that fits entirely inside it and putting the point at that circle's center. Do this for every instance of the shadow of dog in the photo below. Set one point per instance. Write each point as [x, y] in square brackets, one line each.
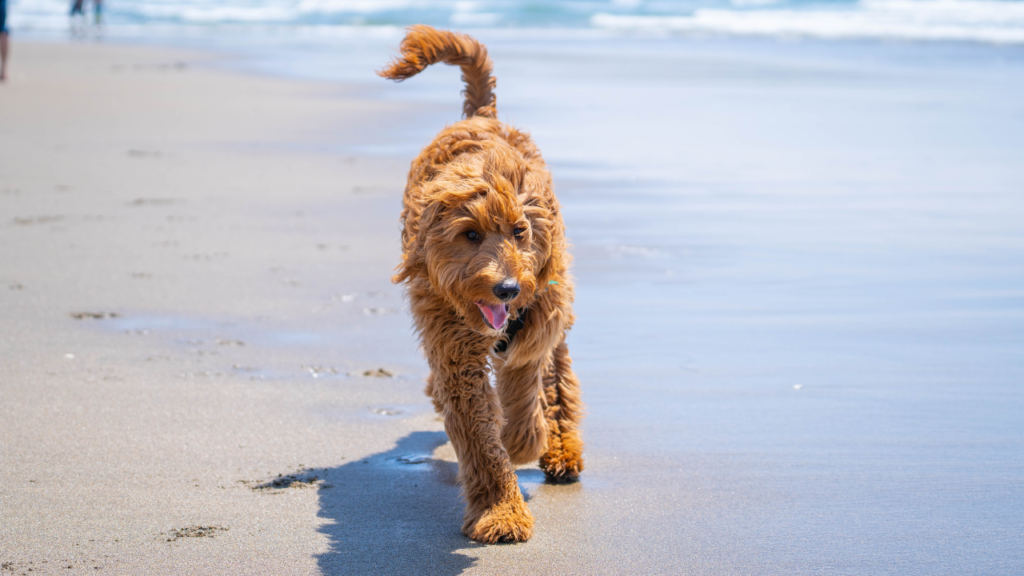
[396, 512]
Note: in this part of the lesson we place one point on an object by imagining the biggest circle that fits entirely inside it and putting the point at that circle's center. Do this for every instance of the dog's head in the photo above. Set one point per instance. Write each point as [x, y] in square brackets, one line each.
[485, 237]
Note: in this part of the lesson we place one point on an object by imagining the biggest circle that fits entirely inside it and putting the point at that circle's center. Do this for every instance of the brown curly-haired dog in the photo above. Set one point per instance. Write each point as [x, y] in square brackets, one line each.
[486, 268]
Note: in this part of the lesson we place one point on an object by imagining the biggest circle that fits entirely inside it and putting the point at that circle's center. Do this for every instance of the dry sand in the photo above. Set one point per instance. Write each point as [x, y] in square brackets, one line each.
[192, 290]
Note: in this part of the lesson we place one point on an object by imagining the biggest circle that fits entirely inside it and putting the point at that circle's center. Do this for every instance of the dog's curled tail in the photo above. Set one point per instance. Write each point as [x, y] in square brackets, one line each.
[424, 46]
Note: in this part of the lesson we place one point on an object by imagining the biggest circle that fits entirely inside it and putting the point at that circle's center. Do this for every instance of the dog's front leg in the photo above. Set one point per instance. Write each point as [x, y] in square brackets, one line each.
[525, 434]
[495, 510]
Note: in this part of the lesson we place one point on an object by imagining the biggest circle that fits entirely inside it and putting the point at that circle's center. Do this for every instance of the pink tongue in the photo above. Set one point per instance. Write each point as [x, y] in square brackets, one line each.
[495, 315]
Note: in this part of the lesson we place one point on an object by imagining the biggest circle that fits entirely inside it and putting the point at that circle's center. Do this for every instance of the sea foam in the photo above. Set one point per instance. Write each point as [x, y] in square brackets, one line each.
[991, 21]
[972, 20]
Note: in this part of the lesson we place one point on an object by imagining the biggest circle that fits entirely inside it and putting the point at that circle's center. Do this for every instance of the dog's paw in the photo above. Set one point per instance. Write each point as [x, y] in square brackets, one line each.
[563, 461]
[504, 522]
[561, 467]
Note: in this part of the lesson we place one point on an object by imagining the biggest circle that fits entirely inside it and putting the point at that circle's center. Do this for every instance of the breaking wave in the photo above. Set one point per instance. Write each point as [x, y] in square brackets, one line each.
[992, 21]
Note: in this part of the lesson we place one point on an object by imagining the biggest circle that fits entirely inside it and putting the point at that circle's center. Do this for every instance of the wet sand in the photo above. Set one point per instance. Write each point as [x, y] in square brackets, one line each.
[800, 316]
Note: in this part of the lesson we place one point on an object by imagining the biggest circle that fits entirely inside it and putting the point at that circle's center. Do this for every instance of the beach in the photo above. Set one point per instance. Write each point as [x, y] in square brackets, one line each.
[799, 300]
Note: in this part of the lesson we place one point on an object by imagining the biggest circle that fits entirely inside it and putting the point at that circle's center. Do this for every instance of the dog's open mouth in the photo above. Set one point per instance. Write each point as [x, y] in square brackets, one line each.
[495, 315]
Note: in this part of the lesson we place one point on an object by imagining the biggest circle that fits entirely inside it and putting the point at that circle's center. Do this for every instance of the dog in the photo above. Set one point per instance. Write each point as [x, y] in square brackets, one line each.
[486, 271]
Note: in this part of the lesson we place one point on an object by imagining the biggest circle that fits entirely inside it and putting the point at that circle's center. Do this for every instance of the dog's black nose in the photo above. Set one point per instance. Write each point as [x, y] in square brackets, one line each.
[507, 290]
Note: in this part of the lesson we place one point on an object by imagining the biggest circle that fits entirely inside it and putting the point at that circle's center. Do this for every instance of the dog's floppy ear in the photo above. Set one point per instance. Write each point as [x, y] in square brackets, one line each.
[414, 261]
[410, 266]
[541, 207]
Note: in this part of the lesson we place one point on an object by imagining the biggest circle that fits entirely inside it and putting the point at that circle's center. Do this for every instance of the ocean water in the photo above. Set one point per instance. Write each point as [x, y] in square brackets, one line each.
[994, 21]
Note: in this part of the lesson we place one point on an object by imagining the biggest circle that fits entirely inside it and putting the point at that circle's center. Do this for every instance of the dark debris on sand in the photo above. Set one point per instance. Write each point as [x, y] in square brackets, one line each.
[46, 567]
[154, 201]
[194, 532]
[94, 315]
[378, 373]
[300, 479]
[29, 220]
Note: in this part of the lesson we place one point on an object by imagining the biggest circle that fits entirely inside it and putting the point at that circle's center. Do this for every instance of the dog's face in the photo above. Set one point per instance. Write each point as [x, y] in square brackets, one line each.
[485, 239]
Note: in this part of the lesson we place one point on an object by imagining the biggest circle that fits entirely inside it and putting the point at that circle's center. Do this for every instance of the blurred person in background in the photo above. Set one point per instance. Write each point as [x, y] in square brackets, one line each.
[78, 9]
[3, 40]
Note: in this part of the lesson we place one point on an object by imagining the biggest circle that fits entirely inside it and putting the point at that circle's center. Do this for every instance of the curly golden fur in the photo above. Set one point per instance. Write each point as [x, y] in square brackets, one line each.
[483, 242]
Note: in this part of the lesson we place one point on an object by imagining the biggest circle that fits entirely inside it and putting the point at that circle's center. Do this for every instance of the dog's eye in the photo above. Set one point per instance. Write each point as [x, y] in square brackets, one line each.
[472, 235]
[518, 232]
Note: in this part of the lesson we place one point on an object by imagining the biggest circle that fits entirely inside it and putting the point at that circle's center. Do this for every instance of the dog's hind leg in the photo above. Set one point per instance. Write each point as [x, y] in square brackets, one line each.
[563, 460]
[524, 433]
